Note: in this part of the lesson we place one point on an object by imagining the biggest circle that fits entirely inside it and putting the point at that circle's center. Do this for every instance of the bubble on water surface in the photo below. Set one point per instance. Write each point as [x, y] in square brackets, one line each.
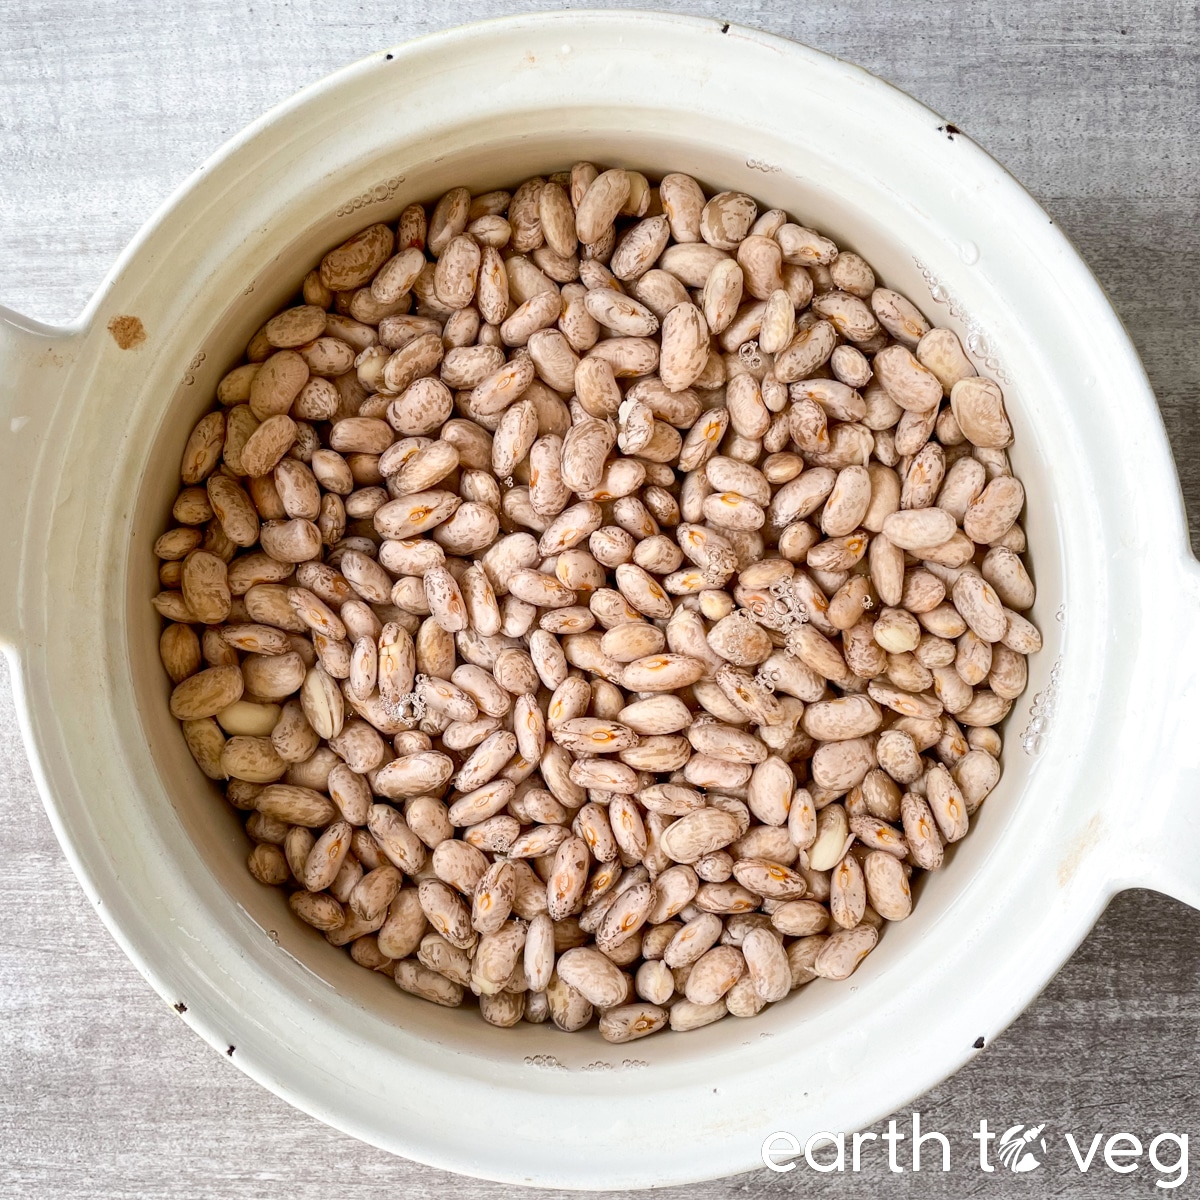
[546, 1062]
[748, 352]
[975, 341]
[1041, 714]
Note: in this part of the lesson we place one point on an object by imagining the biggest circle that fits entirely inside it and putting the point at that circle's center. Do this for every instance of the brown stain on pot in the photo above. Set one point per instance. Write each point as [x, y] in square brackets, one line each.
[127, 331]
[1079, 849]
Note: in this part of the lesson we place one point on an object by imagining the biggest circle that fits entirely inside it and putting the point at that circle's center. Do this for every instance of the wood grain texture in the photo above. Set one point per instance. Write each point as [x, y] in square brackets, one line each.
[105, 108]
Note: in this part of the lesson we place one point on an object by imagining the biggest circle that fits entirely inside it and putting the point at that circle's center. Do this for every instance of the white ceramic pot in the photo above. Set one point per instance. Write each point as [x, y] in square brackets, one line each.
[91, 441]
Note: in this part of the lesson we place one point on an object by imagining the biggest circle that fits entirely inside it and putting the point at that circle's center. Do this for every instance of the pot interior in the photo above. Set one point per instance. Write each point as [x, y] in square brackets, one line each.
[839, 194]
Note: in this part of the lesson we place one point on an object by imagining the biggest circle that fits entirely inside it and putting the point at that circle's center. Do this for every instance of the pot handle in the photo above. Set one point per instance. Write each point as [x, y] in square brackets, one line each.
[1170, 858]
[33, 363]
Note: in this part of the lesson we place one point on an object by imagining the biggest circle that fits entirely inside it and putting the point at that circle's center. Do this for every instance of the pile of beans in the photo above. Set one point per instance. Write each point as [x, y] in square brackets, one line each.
[601, 599]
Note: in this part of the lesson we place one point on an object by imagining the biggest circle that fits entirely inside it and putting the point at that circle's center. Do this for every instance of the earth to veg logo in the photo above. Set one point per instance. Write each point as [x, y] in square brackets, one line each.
[1021, 1149]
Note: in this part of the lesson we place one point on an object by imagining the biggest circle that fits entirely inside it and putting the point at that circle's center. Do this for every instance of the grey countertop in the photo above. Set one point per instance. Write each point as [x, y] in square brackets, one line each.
[105, 108]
